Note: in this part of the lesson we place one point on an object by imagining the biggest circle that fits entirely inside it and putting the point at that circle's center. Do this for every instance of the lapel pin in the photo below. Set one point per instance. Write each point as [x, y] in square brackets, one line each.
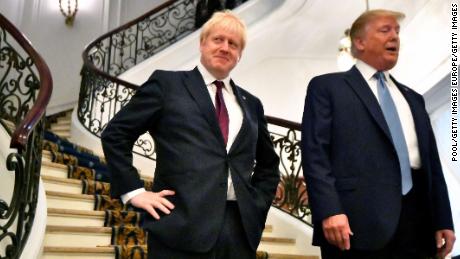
[244, 97]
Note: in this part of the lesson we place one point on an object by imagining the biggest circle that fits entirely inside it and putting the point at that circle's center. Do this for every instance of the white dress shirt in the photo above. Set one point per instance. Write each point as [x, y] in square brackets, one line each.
[404, 112]
[235, 116]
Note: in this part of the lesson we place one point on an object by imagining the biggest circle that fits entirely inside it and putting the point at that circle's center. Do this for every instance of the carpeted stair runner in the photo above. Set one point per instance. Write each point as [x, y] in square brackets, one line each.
[128, 236]
[131, 252]
[128, 239]
[117, 218]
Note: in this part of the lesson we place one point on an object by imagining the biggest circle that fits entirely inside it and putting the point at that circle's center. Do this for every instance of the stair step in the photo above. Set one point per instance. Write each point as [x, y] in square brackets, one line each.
[78, 229]
[81, 218]
[60, 170]
[279, 248]
[59, 184]
[59, 252]
[268, 229]
[278, 240]
[62, 133]
[53, 169]
[76, 236]
[46, 155]
[68, 114]
[60, 127]
[291, 256]
[63, 121]
[61, 200]
[72, 249]
[93, 235]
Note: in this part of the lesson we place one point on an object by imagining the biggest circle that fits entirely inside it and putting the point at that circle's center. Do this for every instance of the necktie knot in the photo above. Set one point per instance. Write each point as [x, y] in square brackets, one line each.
[219, 84]
[380, 76]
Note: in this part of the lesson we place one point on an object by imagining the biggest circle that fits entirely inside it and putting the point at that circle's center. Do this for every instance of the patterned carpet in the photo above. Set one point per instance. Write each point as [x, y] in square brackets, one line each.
[128, 238]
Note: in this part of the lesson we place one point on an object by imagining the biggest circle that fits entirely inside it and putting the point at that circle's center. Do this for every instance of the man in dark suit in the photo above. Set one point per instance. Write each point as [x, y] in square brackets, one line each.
[370, 161]
[204, 10]
[216, 170]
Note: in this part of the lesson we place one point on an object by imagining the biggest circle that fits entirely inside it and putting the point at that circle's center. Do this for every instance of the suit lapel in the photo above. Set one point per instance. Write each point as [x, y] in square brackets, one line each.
[195, 85]
[362, 89]
[243, 104]
[418, 112]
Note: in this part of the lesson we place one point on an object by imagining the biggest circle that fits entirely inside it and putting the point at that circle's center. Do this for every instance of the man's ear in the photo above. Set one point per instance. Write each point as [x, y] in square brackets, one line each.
[359, 43]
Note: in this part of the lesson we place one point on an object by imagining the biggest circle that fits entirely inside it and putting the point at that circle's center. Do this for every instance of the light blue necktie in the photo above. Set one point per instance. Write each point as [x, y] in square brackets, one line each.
[392, 118]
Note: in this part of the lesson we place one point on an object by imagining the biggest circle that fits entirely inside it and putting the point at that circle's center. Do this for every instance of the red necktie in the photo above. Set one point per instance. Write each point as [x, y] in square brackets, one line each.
[221, 110]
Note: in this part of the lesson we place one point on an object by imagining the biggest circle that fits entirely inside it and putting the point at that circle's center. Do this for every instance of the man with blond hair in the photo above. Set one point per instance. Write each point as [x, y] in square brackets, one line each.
[216, 171]
[374, 178]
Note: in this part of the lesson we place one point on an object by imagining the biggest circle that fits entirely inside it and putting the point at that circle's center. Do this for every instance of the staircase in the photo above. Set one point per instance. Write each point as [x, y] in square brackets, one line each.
[75, 230]
[60, 124]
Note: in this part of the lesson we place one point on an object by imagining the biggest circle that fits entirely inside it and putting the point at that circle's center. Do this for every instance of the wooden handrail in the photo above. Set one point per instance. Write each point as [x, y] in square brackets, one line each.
[33, 116]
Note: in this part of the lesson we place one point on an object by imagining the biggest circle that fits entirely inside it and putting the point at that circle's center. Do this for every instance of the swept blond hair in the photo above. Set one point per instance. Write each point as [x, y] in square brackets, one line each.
[225, 20]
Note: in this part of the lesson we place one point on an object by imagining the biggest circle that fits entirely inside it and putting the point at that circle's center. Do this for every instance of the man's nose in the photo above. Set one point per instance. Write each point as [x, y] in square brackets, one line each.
[394, 35]
[224, 47]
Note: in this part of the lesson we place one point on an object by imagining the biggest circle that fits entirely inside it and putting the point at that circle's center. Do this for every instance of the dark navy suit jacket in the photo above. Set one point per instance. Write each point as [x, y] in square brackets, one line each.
[351, 166]
[176, 109]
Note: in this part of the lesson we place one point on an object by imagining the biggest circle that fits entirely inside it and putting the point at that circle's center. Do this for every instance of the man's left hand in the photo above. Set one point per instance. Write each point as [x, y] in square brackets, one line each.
[445, 239]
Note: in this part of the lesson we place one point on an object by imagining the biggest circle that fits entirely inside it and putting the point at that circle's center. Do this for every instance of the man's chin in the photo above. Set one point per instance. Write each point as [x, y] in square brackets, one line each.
[390, 62]
[222, 69]
[222, 65]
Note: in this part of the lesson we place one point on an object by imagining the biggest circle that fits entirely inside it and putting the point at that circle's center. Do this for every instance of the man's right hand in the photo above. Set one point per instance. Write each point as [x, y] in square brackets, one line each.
[337, 231]
[149, 201]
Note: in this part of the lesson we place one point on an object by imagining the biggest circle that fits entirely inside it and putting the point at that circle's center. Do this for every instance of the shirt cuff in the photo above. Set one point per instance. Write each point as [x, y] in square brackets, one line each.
[125, 198]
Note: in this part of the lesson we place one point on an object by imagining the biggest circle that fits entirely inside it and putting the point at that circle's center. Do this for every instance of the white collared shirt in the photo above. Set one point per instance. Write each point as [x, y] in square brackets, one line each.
[404, 111]
[235, 116]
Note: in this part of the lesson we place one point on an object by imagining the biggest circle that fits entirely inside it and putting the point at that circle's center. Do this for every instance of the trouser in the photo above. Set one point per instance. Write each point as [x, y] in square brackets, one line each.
[410, 239]
[232, 242]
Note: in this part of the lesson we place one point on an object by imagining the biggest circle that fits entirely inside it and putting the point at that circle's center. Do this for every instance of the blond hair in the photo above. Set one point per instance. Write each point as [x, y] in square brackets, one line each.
[225, 20]
[359, 25]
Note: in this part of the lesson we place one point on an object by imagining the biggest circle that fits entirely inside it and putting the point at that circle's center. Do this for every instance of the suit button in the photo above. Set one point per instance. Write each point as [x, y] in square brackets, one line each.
[223, 185]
